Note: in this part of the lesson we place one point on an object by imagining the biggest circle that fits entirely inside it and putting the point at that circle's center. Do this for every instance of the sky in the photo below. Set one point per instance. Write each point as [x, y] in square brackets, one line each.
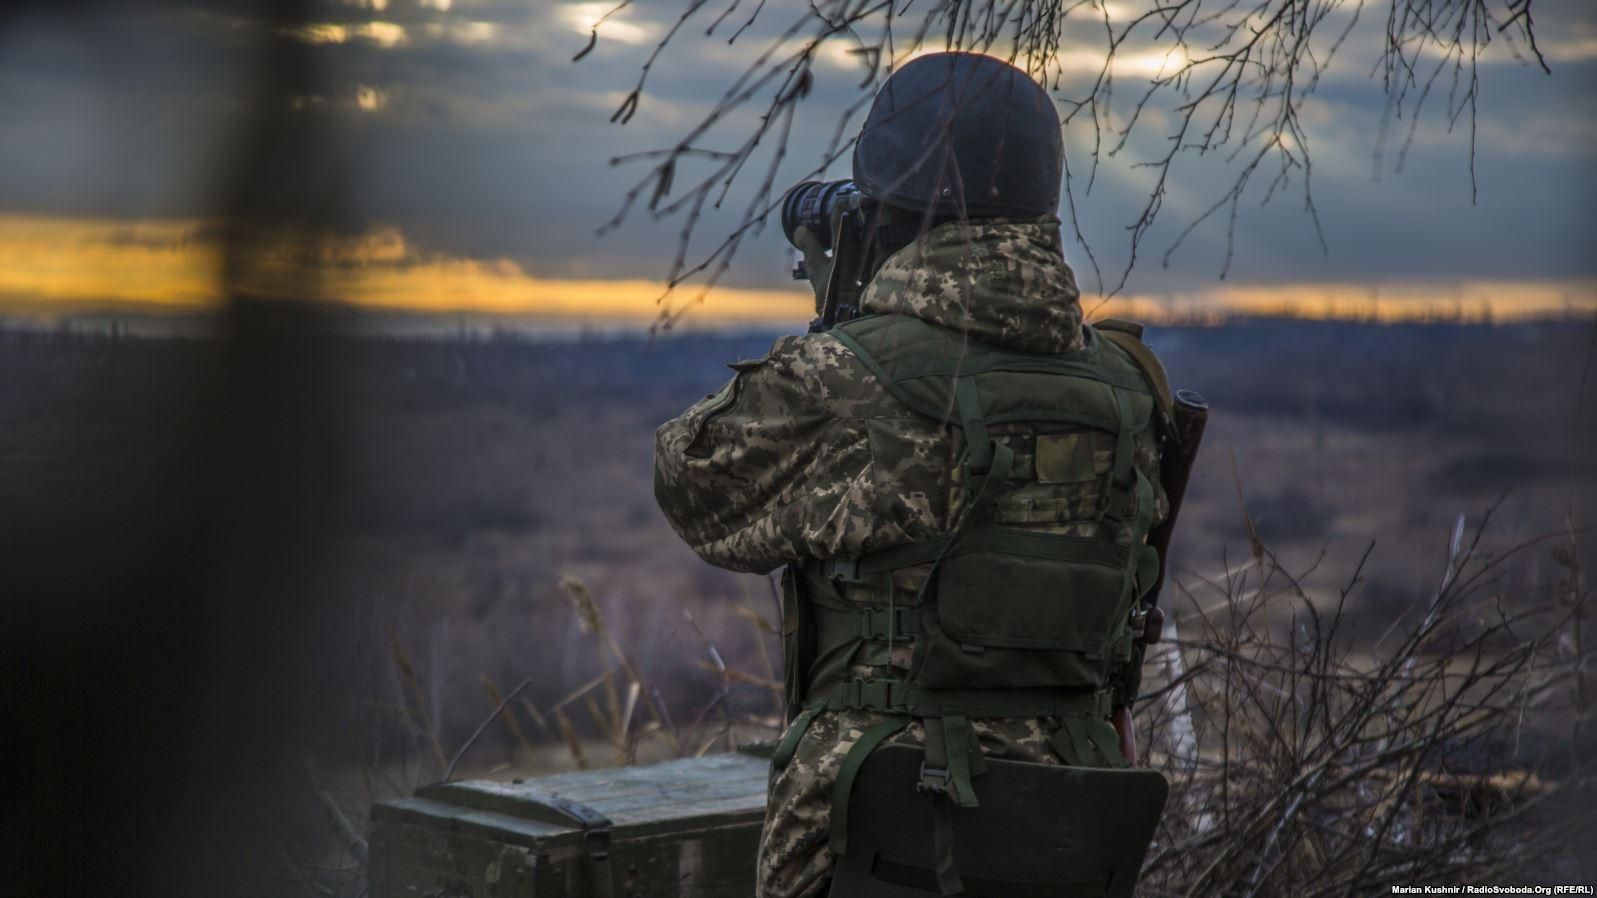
[475, 161]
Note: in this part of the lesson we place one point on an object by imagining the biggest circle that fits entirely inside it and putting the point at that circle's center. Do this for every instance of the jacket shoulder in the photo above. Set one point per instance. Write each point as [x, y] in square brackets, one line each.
[820, 365]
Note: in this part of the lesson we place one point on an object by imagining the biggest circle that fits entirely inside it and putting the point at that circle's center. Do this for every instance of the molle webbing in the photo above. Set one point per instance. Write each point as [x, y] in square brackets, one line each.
[867, 569]
[870, 624]
[898, 697]
[918, 362]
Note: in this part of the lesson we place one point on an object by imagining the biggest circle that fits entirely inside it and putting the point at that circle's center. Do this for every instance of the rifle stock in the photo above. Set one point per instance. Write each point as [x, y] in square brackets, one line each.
[1191, 416]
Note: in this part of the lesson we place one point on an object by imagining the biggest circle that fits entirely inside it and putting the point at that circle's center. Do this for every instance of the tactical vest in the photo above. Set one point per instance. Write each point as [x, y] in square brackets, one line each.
[1010, 621]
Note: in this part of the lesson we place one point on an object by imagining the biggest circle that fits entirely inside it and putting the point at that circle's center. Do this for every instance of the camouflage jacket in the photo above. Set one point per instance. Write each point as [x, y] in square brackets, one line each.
[804, 455]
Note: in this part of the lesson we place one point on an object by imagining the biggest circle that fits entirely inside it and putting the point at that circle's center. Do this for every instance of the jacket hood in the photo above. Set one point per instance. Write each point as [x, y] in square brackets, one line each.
[1001, 281]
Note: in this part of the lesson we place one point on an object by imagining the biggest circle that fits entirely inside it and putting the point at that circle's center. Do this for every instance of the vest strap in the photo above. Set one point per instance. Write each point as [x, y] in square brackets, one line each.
[1102, 739]
[1120, 492]
[959, 745]
[1047, 546]
[1128, 337]
[865, 568]
[1012, 540]
[949, 881]
[1084, 742]
[846, 774]
[936, 775]
[973, 422]
[897, 697]
[791, 739]
[912, 369]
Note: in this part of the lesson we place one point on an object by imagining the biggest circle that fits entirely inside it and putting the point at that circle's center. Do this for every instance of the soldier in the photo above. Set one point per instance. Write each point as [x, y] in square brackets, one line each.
[959, 482]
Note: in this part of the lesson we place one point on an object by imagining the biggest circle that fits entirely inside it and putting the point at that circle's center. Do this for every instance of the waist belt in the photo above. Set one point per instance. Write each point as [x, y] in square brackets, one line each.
[869, 568]
[897, 697]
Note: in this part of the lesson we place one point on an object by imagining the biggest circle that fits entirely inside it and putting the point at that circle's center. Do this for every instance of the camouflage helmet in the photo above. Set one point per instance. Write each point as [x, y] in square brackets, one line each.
[961, 135]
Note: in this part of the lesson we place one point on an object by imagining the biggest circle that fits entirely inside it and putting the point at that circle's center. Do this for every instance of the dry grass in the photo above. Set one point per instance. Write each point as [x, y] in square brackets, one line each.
[1302, 763]
[622, 706]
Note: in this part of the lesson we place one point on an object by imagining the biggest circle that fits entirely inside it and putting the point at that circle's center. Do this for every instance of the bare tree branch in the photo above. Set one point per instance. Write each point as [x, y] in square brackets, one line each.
[1223, 79]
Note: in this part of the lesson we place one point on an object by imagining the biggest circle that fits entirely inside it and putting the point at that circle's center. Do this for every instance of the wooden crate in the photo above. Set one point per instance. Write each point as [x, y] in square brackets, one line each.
[685, 828]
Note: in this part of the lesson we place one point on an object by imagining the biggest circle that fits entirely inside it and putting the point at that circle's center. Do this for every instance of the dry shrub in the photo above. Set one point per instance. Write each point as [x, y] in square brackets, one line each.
[1305, 762]
[628, 710]
[1302, 760]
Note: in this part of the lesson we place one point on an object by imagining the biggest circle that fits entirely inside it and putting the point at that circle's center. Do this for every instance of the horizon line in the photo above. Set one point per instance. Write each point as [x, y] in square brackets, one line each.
[55, 265]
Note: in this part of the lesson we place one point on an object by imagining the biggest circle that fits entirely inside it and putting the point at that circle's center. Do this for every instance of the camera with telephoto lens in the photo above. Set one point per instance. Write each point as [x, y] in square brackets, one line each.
[844, 221]
[809, 205]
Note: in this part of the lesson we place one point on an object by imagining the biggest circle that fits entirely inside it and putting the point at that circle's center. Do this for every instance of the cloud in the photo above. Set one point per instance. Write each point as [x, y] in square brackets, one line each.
[369, 99]
[584, 18]
[1569, 50]
[382, 34]
[1387, 301]
[470, 129]
[160, 263]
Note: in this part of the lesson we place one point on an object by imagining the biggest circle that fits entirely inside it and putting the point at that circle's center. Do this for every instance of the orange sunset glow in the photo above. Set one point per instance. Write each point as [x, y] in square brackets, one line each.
[60, 265]
[53, 264]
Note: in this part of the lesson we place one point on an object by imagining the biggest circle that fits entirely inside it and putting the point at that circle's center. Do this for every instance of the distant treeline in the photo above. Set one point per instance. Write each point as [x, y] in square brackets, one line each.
[1407, 375]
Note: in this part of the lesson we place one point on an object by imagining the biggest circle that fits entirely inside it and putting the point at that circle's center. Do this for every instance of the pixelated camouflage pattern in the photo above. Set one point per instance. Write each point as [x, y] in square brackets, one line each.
[804, 454]
[1001, 281]
[801, 455]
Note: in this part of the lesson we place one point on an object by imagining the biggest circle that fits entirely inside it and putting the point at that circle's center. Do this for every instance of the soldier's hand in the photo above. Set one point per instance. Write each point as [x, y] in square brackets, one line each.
[1127, 733]
[816, 262]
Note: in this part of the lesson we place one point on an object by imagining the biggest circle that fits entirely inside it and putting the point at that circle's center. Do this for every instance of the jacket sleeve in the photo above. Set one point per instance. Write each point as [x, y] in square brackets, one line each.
[776, 465]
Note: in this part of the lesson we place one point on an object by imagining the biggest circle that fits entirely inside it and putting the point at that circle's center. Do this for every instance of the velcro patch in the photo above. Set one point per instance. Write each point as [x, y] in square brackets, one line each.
[1064, 458]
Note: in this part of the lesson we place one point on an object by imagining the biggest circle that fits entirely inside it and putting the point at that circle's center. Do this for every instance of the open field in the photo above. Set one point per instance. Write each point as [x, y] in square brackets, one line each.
[437, 501]
[481, 472]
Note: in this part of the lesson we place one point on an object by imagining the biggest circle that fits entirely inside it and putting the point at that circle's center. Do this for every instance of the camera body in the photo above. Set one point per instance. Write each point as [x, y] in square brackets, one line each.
[845, 221]
[811, 204]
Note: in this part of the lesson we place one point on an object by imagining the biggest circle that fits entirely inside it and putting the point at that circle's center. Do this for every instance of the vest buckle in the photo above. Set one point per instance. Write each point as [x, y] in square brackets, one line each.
[845, 569]
[1103, 704]
[889, 625]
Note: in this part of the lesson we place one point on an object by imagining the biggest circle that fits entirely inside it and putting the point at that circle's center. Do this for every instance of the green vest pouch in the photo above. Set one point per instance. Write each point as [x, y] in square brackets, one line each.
[1001, 619]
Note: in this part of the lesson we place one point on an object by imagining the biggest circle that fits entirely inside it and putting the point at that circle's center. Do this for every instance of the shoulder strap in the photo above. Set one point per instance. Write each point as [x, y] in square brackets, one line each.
[1133, 328]
[1127, 336]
